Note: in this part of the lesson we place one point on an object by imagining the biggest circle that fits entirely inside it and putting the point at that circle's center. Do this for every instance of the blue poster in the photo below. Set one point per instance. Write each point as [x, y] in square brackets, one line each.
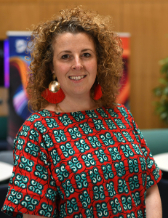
[18, 68]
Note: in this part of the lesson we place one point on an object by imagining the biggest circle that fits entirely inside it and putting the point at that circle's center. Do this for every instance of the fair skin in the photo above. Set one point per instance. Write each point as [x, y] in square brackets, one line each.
[75, 66]
[153, 204]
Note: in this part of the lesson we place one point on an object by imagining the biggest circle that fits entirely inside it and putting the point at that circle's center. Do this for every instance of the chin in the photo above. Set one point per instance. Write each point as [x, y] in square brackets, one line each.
[81, 93]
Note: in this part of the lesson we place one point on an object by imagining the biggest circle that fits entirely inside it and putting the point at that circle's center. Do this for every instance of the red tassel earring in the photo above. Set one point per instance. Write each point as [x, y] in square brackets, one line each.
[54, 93]
[97, 92]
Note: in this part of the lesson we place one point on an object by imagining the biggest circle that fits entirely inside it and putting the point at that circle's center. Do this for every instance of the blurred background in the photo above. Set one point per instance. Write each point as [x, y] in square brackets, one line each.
[143, 28]
[145, 21]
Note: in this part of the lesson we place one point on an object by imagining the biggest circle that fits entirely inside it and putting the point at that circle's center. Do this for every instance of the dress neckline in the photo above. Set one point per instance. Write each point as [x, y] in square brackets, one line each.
[59, 113]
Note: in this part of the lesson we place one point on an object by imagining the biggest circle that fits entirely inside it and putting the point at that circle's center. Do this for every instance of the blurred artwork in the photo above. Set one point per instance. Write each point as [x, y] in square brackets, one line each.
[16, 75]
[123, 97]
[20, 67]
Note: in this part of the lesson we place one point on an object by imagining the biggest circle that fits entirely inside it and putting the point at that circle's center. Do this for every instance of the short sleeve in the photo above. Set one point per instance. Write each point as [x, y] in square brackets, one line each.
[32, 189]
[153, 173]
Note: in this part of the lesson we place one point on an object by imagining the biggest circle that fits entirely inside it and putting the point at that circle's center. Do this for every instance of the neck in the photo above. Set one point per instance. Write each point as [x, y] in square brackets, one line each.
[76, 104]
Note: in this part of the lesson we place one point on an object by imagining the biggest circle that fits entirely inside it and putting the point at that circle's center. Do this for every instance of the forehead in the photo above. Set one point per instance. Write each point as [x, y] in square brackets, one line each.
[72, 41]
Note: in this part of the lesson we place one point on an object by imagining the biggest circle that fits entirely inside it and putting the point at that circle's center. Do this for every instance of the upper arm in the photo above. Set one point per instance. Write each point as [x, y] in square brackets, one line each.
[153, 202]
[32, 188]
[153, 191]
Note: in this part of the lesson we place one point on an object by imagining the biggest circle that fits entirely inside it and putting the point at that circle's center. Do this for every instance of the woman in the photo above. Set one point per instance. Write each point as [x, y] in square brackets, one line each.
[80, 154]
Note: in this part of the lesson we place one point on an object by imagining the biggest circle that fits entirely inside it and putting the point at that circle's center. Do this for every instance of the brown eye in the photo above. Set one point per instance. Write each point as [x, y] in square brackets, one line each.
[86, 54]
[66, 56]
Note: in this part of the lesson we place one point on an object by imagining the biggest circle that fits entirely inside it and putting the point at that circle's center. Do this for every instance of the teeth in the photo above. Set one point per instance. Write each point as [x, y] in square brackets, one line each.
[76, 77]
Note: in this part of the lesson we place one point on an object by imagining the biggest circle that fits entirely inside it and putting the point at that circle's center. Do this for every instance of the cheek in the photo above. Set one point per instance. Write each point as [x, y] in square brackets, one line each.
[93, 67]
[61, 69]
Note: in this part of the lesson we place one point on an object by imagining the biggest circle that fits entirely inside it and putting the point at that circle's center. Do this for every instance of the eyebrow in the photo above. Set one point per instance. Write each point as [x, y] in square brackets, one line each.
[83, 50]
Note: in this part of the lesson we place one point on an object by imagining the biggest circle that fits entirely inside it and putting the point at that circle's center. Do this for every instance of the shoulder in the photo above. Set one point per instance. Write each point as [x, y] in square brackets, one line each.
[34, 127]
[120, 110]
[35, 119]
[120, 113]
[39, 115]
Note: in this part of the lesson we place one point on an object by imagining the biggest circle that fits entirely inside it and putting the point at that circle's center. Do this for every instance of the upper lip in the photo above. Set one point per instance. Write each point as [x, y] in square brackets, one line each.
[76, 75]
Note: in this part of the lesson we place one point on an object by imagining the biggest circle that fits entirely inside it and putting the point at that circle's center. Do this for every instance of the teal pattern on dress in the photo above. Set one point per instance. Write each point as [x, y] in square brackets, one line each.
[85, 199]
[126, 202]
[74, 164]
[94, 141]
[55, 157]
[122, 186]
[98, 124]
[110, 124]
[81, 180]
[107, 172]
[89, 160]
[67, 149]
[134, 183]
[94, 175]
[127, 151]
[15, 197]
[36, 187]
[51, 123]
[26, 164]
[86, 164]
[32, 149]
[65, 120]
[29, 203]
[78, 116]
[21, 181]
[40, 127]
[68, 188]
[72, 206]
[115, 205]
[102, 210]
[51, 194]
[82, 146]
[101, 155]
[46, 210]
[86, 128]
[110, 188]
[115, 155]
[61, 172]
[41, 172]
[107, 139]
[98, 192]
[74, 133]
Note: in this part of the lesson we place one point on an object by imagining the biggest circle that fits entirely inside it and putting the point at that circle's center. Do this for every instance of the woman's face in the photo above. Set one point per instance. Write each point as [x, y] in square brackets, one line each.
[75, 63]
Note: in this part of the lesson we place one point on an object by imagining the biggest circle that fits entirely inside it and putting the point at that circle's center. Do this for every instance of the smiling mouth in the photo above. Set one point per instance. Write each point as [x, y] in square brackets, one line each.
[77, 77]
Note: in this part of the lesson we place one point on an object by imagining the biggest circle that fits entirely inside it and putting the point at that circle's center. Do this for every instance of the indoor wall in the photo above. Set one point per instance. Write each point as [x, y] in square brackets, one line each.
[145, 20]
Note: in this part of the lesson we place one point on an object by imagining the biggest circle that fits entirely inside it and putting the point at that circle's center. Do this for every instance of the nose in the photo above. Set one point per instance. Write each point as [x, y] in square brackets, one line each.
[77, 63]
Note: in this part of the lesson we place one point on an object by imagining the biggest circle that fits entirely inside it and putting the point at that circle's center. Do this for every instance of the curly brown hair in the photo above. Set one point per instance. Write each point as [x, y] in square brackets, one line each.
[108, 49]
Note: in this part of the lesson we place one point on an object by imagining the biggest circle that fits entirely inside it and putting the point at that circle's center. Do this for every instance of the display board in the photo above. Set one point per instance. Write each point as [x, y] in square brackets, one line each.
[18, 67]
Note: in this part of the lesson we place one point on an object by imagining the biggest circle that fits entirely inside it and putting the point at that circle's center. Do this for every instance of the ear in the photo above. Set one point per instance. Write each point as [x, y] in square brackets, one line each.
[52, 68]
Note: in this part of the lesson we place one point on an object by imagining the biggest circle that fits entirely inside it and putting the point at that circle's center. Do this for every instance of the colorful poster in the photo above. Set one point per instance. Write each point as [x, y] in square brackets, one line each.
[123, 97]
[18, 67]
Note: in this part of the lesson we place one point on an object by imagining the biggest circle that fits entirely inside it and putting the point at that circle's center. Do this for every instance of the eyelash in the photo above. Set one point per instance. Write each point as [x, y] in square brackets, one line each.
[67, 56]
[86, 54]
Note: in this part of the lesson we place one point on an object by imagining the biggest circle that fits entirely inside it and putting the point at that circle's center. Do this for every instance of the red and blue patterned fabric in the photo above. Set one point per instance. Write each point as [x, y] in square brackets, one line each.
[90, 164]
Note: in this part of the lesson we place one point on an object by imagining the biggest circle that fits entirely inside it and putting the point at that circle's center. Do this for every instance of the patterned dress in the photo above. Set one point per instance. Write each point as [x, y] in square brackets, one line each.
[92, 163]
